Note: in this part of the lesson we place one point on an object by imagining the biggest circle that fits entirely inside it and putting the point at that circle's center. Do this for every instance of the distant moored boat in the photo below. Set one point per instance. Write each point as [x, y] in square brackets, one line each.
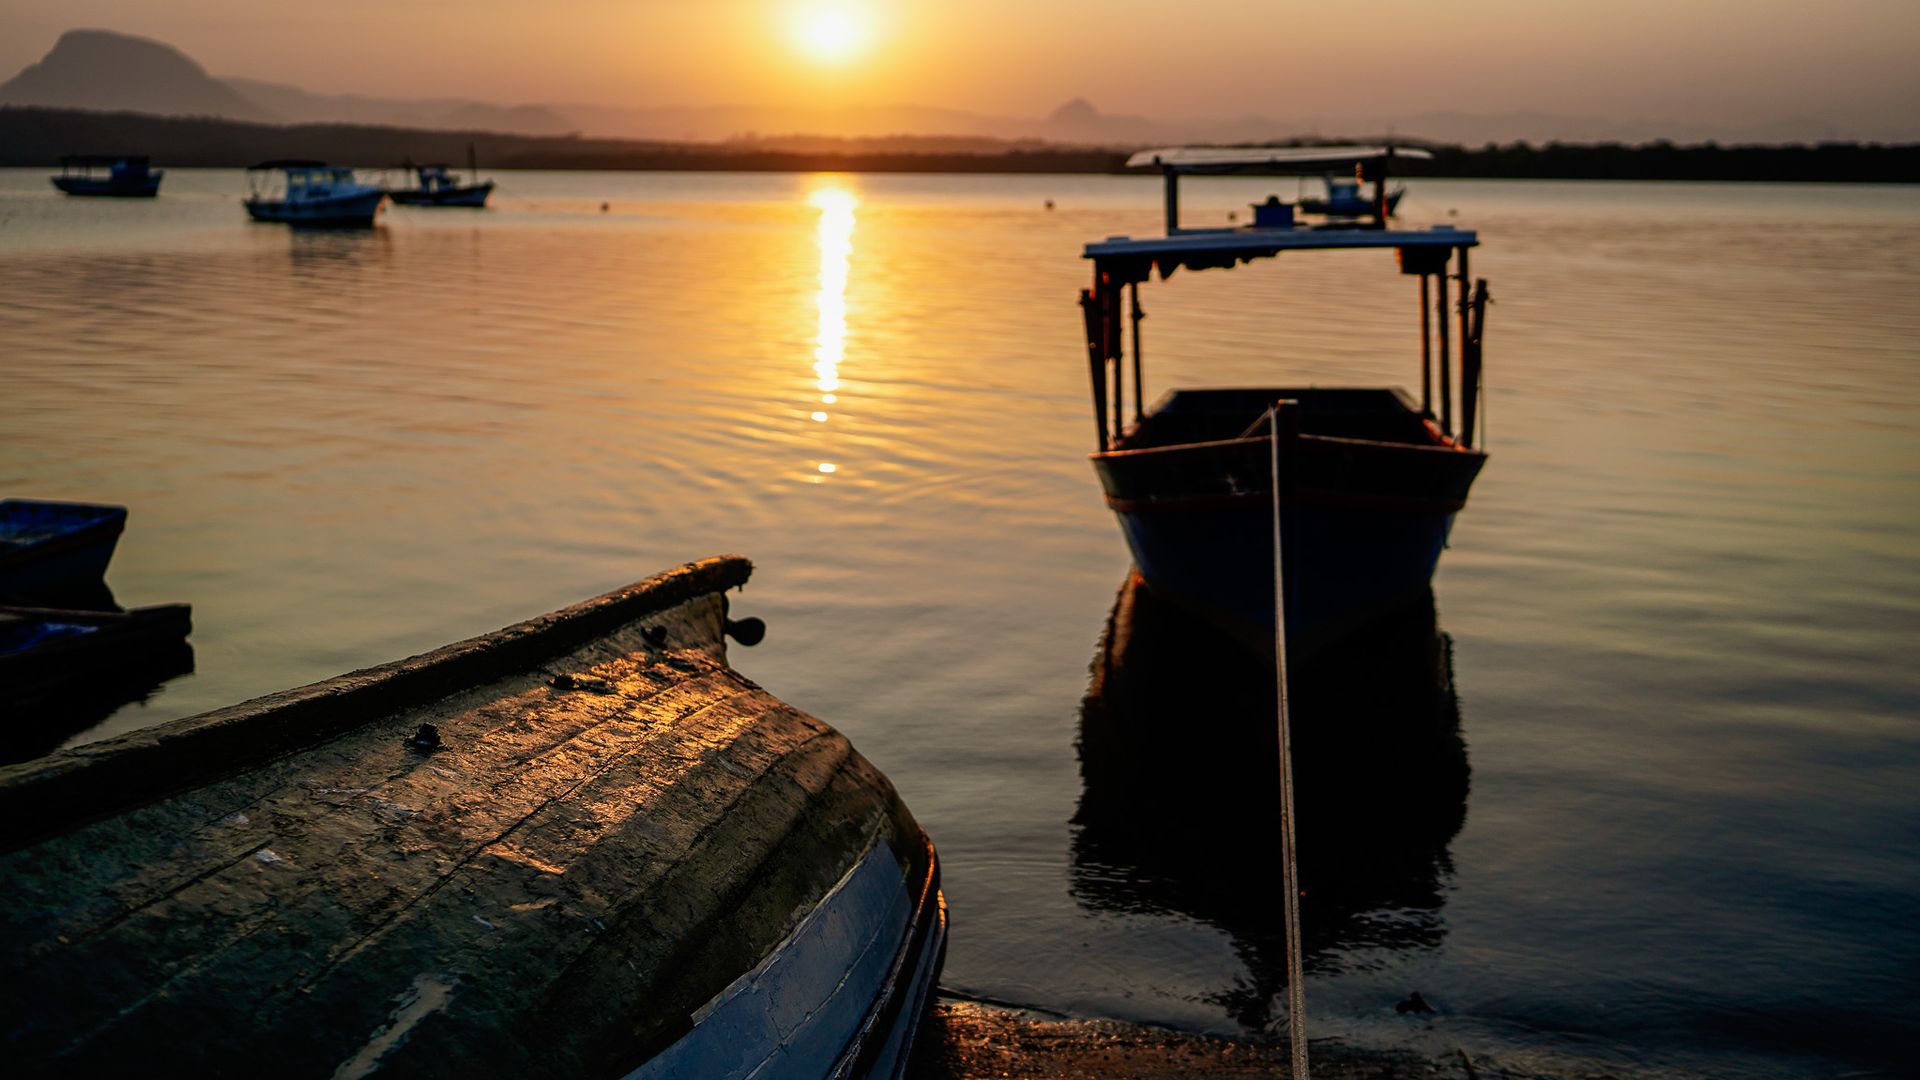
[438, 185]
[1344, 199]
[127, 177]
[314, 194]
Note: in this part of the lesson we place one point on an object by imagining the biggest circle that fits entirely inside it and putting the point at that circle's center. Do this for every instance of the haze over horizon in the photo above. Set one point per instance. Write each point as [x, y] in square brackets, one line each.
[1687, 68]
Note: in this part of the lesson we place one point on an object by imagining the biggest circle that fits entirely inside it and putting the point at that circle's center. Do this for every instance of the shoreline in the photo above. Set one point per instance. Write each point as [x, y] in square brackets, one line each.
[35, 137]
[963, 1039]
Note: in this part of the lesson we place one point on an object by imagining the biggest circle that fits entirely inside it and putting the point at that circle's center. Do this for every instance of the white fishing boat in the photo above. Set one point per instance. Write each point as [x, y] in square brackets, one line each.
[439, 185]
[311, 194]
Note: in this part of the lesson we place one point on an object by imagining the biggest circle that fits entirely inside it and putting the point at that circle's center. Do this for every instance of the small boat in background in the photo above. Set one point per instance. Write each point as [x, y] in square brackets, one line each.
[314, 195]
[127, 176]
[55, 549]
[1344, 199]
[582, 845]
[439, 186]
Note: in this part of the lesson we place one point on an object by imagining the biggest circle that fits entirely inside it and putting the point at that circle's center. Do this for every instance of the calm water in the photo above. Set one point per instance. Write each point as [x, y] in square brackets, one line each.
[1682, 604]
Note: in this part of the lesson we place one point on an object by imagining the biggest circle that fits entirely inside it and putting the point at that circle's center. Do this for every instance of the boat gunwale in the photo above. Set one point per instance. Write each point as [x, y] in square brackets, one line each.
[1315, 497]
[1449, 447]
[64, 790]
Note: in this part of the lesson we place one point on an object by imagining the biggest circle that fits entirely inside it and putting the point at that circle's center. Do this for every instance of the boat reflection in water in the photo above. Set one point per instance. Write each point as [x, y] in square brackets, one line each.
[76, 657]
[1180, 812]
[43, 714]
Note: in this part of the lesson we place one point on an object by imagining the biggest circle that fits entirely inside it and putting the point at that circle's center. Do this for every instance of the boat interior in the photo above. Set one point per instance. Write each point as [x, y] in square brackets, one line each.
[1377, 414]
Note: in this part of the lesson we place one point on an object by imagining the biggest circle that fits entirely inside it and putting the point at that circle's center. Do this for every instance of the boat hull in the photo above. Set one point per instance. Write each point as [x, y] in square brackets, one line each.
[473, 196]
[1352, 566]
[55, 549]
[610, 856]
[1364, 523]
[145, 187]
[354, 211]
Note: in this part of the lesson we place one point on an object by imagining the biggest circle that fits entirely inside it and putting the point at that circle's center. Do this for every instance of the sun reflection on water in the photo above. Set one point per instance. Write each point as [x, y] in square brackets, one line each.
[835, 237]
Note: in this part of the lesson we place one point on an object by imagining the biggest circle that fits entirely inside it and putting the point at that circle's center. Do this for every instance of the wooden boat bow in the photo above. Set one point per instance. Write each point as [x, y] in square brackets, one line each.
[615, 832]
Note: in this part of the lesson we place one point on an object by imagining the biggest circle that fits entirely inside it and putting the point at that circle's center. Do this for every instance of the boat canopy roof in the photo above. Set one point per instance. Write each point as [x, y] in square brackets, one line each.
[1265, 160]
[1127, 259]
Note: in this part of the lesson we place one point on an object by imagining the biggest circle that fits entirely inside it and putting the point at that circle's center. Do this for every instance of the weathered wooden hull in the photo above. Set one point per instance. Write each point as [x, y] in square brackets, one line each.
[617, 842]
[50, 549]
[1365, 521]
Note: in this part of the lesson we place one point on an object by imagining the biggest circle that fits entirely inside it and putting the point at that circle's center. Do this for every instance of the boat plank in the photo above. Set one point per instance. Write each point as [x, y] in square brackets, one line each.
[169, 844]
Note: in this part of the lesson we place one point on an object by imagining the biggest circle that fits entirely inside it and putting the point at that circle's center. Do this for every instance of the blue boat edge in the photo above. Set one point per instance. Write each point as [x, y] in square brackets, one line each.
[64, 547]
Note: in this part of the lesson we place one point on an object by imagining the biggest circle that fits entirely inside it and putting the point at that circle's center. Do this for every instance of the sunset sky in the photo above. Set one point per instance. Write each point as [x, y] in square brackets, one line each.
[1741, 62]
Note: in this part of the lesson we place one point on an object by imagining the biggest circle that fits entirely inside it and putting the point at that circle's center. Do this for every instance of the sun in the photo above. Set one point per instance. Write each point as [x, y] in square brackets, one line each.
[832, 31]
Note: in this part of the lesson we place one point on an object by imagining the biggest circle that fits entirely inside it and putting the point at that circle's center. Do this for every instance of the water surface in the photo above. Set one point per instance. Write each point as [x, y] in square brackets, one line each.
[1681, 604]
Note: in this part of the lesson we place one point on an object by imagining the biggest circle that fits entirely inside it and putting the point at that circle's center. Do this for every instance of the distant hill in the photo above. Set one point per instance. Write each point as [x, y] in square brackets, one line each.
[98, 69]
[298, 106]
[101, 70]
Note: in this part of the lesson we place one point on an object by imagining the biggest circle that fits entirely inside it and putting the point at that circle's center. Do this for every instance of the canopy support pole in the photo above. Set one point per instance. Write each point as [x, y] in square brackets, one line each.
[1091, 301]
[1446, 375]
[1139, 398]
[1173, 201]
[1466, 338]
[1380, 189]
[1116, 361]
[1466, 343]
[1426, 349]
[1470, 361]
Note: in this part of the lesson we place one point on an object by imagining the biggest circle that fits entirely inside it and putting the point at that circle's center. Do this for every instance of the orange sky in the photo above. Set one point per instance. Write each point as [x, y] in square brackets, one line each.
[1737, 61]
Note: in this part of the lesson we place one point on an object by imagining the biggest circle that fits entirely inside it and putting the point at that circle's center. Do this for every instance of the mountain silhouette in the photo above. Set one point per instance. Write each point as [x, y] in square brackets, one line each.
[106, 71]
[99, 69]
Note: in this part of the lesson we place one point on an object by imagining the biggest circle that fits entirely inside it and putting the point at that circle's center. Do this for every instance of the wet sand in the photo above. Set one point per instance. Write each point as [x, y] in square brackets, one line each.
[968, 1039]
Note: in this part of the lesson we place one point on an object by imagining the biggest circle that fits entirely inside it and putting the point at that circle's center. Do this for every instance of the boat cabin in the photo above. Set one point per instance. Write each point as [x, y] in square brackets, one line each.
[118, 166]
[305, 179]
[1438, 256]
[108, 174]
[436, 177]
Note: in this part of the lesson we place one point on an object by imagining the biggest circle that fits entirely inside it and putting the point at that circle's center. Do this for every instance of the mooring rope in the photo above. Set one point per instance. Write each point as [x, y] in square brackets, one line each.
[1296, 991]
